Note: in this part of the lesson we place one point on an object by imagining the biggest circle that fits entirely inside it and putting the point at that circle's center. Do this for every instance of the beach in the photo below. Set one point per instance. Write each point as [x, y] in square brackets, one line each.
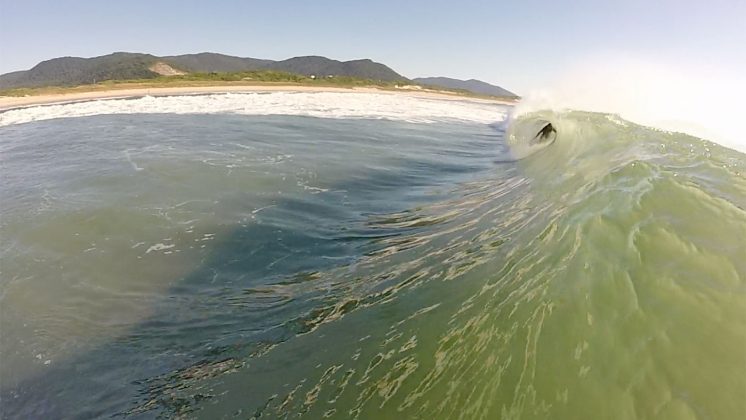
[11, 102]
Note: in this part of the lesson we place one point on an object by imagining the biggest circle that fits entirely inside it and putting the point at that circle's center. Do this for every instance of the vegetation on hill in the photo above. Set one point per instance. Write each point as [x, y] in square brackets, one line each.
[274, 76]
[267, 76]
[213, 62]
[322, 67]
[258, 78]
[472, 85]
[73, 71]
[122, 70]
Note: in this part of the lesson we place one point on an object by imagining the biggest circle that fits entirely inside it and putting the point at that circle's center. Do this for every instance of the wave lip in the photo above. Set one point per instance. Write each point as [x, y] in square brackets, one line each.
[530, 133]
[316, 104]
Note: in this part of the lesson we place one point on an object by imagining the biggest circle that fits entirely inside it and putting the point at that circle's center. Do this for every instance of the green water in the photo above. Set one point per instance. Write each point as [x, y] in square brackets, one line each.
[372, 269]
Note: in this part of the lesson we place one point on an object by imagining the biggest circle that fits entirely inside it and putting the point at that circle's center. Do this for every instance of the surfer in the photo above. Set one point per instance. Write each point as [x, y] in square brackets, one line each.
[545, 132]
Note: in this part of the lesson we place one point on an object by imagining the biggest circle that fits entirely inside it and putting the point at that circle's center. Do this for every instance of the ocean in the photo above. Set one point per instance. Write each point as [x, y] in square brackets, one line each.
[365, 256]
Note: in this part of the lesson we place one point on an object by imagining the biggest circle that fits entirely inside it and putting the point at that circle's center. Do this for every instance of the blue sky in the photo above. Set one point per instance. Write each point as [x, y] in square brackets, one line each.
[516, 44]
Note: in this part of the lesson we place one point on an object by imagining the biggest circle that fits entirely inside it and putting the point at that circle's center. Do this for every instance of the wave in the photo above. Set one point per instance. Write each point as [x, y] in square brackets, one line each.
[582, 277]
[317, 104]
[590, 267]
[522, 292]
[695, 97]
[530, 133]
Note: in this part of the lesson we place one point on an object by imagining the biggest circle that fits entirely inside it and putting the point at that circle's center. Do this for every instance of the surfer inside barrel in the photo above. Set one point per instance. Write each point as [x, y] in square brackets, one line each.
[545, 133]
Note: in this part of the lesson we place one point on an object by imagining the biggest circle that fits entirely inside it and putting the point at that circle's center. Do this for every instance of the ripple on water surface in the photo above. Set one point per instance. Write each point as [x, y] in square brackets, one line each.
[221, 265]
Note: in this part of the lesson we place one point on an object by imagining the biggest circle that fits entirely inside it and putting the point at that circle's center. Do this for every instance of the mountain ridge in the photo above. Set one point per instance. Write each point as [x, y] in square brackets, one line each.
[76, 71]
[471, 85]
[69, 71]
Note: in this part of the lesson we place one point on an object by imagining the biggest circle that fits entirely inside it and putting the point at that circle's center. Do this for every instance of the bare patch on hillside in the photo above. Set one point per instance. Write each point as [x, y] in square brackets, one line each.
[165, 70]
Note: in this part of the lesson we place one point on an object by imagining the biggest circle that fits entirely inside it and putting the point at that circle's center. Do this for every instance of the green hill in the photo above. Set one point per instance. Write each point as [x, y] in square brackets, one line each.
[68, 71]
[322, 67]
[72, 71]
[212, 62]
[207, 66]
[475, 86]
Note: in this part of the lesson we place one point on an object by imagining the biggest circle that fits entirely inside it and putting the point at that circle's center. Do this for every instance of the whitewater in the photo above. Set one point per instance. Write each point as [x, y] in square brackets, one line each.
[316, 104]
[362, 255]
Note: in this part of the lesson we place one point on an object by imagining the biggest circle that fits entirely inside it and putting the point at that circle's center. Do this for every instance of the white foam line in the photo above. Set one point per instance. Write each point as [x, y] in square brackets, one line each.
[159, 247]
[129, 159]
[261, 208]
[316, 104]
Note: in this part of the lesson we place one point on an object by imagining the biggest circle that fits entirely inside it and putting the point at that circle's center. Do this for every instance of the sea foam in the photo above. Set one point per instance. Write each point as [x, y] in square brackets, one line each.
[316, 104]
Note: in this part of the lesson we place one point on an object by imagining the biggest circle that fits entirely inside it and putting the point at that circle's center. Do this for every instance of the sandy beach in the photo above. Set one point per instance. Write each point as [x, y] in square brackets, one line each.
[11, 102]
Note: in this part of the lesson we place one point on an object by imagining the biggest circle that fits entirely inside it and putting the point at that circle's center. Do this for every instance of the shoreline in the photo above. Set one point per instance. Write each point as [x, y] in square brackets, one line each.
[8, 103]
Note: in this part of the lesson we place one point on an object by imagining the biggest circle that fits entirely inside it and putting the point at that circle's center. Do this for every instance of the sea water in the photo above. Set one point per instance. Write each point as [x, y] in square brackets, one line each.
[345, 255]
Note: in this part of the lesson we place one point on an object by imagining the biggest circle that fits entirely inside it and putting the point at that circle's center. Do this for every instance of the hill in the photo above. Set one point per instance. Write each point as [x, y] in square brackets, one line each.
[67, 71]
[322, 66]
[206, 66]
[212, 62]
[471, 85]
[71, 71]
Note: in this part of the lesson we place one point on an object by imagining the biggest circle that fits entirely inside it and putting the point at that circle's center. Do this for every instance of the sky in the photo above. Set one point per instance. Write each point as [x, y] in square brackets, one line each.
[536, 48]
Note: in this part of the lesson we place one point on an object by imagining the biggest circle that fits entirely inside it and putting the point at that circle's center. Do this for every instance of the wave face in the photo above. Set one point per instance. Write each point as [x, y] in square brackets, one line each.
[288, 265]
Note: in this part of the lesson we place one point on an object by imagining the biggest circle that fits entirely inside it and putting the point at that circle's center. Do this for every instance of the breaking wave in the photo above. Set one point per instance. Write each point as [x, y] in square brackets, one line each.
[359, 268]
[317, 104]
